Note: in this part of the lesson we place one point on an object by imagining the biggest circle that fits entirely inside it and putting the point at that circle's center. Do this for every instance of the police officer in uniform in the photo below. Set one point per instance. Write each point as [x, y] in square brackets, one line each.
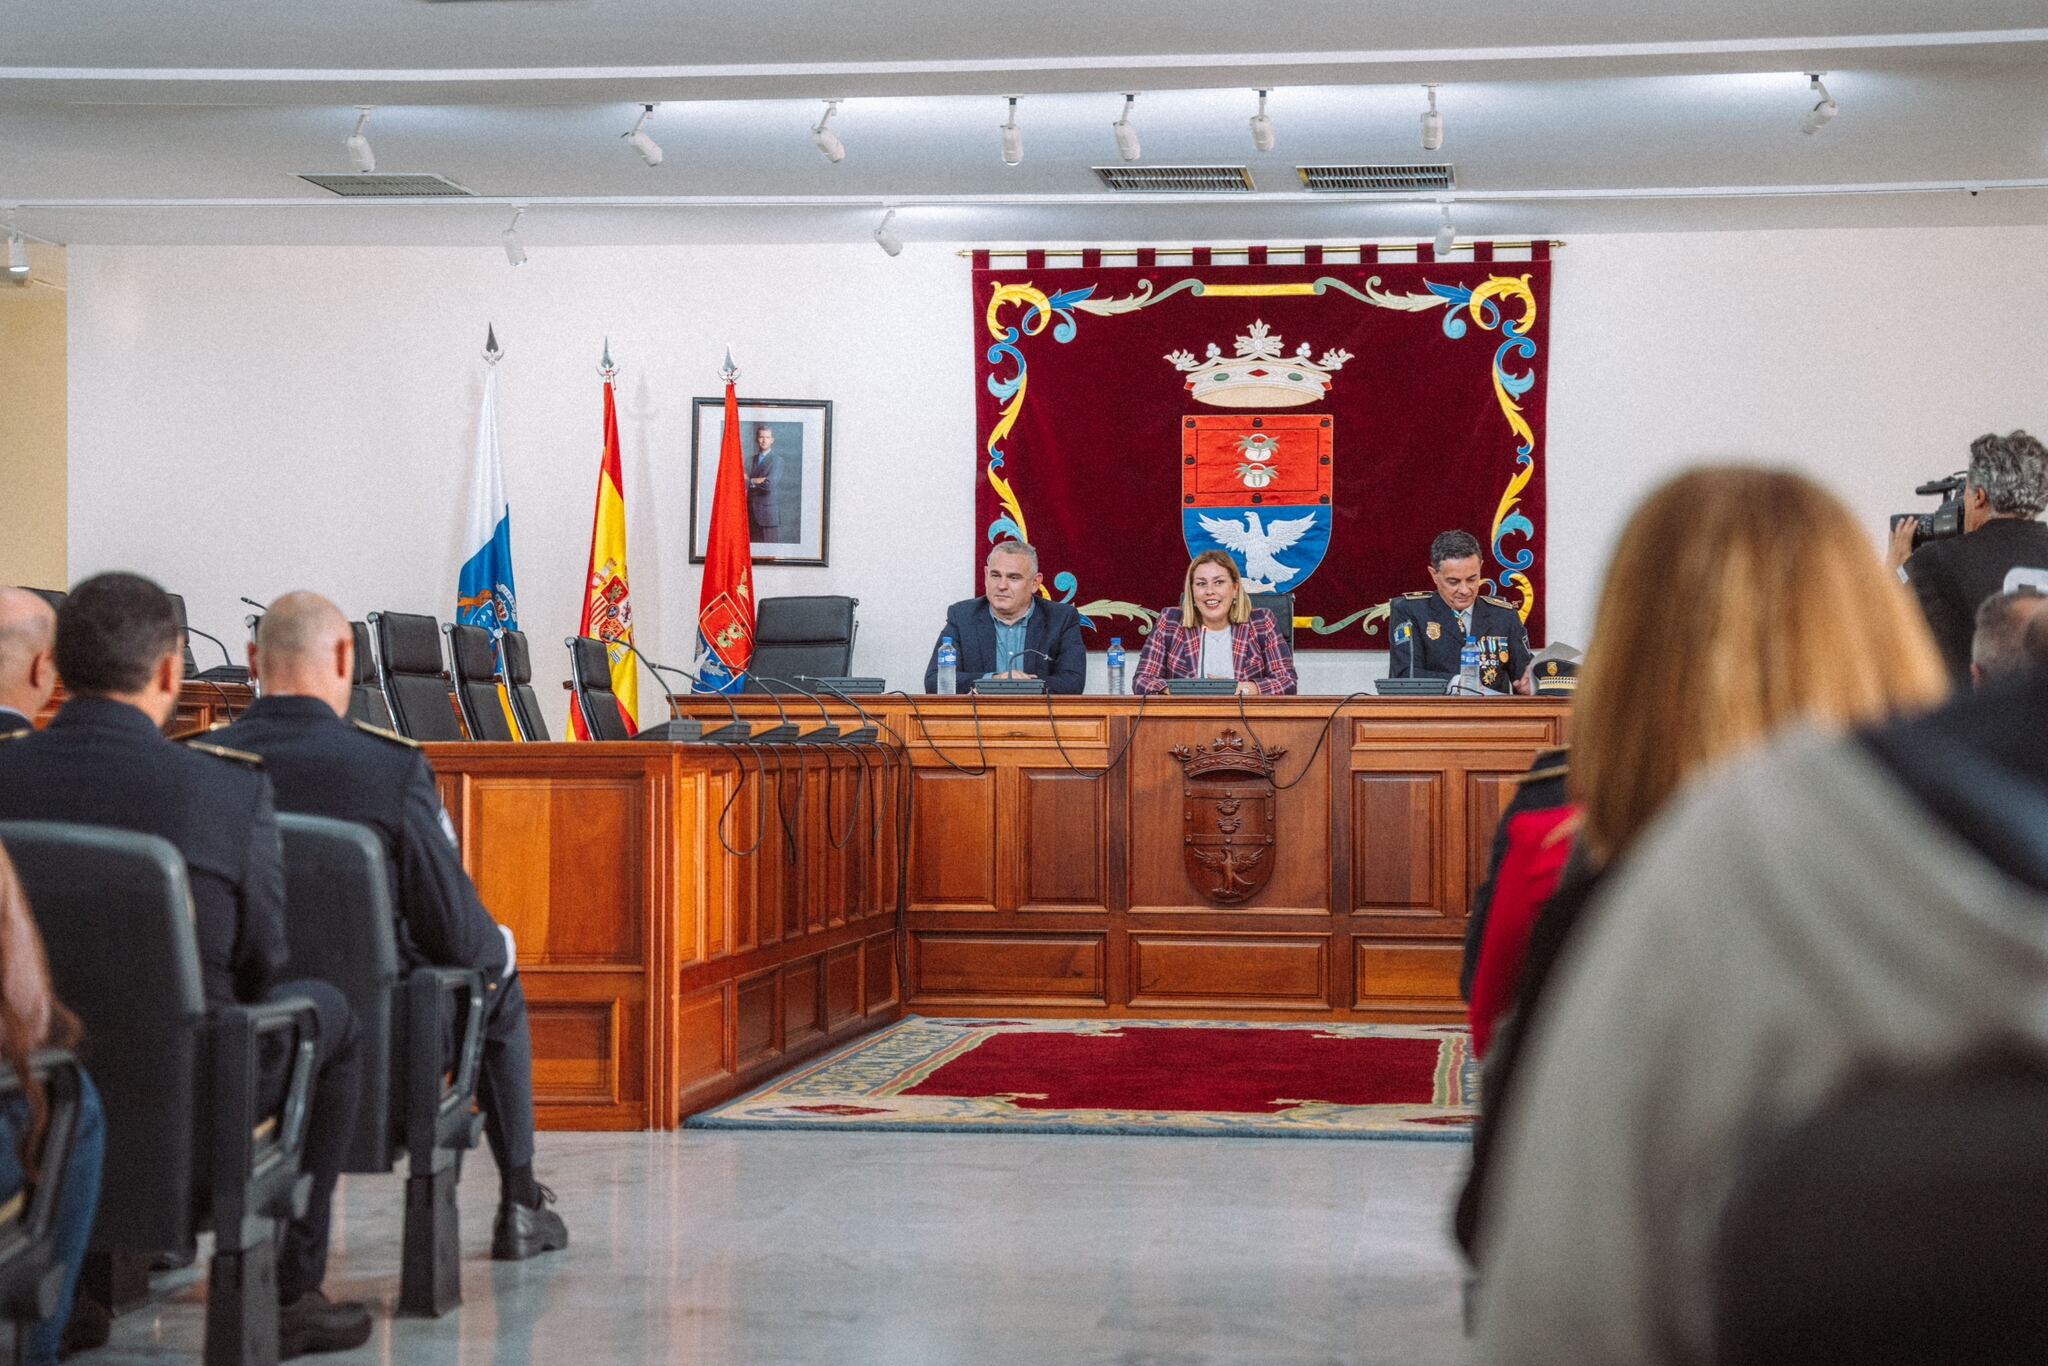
[325, 765]
[1429, 630]
[104, 761]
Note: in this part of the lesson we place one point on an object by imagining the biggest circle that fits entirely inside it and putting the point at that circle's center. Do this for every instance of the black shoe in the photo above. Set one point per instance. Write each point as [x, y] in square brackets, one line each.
[524, 1231]
[89, 1327]
[314, 1323]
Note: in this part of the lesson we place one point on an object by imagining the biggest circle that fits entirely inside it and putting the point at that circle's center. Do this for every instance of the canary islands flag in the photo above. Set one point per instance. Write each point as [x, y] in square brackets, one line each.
[484, 592]
[607, 608]
[725, 611]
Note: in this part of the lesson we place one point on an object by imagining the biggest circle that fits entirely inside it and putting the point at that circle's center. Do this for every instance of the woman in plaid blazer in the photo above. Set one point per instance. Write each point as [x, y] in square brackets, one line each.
[1214, 608]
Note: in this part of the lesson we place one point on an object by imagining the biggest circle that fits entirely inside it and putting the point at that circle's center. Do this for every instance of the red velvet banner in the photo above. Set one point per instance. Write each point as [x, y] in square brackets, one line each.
[1321, 421]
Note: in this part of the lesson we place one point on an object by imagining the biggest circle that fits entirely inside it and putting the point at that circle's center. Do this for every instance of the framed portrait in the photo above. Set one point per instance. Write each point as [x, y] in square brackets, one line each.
[786, 454]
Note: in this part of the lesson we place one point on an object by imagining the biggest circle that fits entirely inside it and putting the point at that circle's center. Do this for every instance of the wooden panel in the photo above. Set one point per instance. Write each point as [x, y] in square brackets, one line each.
[1397, 976]
[953, 840]
[575, 1052]
[1487, 794]
[754, 1022]
[802, 1015]
[701, 1038]
[1259, 971]
[1007, 967]
[1397, 842]
[562, 861]
[878, 971]
[842, 986]
[1063, 849]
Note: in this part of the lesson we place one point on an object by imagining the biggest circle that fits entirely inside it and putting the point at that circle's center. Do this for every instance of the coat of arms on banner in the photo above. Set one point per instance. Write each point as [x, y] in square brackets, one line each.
[1258, 484]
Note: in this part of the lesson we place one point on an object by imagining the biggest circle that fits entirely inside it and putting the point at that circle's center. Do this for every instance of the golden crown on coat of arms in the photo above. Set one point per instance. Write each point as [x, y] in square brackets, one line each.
[1258, 375]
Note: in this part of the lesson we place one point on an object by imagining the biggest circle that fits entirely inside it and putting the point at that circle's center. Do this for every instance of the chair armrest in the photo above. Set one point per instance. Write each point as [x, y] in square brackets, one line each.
[427, 1101]
[243, 1166]
[33, 1275]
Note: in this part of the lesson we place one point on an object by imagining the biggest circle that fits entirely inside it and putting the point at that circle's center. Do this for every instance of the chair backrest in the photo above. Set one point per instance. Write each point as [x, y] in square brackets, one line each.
[590, 679]
[1901, 1222]
[184, 638]
[808, 637]
[409, 671]
[115, 913]
[1281, 605]
[340, 925]
[365, 698]
[518, 671]
[475, 663]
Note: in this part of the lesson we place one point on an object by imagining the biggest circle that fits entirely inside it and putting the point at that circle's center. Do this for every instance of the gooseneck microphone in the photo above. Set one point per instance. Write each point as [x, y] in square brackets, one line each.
[691, 731]
[259, 606]
[233, 672]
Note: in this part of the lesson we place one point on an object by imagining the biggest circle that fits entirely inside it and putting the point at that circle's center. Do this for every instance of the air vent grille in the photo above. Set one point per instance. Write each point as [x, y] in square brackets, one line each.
[379, 186]
[1182, 179]
[1378, 179]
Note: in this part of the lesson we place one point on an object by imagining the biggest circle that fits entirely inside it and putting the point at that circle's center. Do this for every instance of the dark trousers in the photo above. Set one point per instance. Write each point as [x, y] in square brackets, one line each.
[77, 1200]
[331, 1122]
[505, 1086]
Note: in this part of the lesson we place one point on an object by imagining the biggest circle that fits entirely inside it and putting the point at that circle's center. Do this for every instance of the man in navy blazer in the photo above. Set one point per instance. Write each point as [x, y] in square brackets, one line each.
[1011, 631]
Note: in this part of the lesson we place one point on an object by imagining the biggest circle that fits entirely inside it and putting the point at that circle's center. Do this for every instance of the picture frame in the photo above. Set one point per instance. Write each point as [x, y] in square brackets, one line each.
[789, 499]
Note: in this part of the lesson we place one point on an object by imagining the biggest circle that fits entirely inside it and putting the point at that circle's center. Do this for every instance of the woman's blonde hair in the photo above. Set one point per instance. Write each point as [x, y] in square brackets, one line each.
[1739, 601]
[1240, 606]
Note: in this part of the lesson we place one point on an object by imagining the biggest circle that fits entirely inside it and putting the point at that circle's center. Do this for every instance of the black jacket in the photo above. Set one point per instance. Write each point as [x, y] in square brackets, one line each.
[12, 721]
[105, 763]
[322, 765]
[1953, 577]
[1413, 652]
[1054, 628]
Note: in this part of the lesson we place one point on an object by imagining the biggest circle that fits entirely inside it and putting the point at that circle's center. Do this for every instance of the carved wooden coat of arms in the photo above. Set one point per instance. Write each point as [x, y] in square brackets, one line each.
[1227, 805]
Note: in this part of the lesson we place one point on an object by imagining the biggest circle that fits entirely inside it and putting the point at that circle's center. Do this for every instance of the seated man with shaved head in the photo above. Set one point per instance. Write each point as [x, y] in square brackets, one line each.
[28, 658]
[324, 765]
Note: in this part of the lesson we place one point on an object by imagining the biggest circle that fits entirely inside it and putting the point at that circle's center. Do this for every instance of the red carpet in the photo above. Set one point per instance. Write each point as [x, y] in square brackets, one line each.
[1130, 1076]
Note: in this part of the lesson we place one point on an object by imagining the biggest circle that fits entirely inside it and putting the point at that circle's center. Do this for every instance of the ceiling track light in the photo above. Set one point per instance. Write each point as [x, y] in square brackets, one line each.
[827, 140]
[1446, 235]
[515, 250]
[885, 236]
[1822, 114]
[1126, 135]
[1013, 137]
[1262, 126]
[641, 141]
[17, 255]
[1432, 123]
[359, 153]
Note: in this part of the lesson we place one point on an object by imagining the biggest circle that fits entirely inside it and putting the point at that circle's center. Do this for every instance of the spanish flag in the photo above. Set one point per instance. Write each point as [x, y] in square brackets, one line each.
[607, 611]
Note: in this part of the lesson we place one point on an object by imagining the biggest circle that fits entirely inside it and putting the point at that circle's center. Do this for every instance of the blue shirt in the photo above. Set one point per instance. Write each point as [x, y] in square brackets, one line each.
[1010, 644]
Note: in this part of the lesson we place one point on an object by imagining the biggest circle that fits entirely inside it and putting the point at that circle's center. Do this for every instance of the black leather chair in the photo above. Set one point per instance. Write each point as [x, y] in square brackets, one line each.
[519, 686]
[411, 676]
[184, 637]
[365, 698]
[590, 682]
[180, 1087]
[1281, 605]
[475, 664]
[1902, 1222]
[342, 928]
[802, 637]
[31, 1277]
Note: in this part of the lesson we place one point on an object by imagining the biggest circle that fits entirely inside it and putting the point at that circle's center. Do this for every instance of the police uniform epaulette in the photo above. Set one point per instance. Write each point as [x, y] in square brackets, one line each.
[6, 735]
[1502, 602]
[1550, 763]
[1426, 593]
[234, 756]
[382, 734]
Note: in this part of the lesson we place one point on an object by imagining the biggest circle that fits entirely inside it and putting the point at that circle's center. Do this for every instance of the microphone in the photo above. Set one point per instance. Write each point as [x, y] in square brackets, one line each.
[232, 673]
[829, 732]
[869, 730]
[996, 683]
[259, 606]
[691, 731]
[1412, 625]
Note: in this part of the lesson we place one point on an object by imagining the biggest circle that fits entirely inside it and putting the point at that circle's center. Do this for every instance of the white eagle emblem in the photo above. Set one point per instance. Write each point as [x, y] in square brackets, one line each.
[1259, 545]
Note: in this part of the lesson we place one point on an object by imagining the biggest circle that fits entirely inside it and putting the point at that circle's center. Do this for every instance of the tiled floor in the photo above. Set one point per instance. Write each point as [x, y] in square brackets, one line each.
[928, 1250]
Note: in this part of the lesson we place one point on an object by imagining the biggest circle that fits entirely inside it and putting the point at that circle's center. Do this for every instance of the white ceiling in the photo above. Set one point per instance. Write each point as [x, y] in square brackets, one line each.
[146, 121]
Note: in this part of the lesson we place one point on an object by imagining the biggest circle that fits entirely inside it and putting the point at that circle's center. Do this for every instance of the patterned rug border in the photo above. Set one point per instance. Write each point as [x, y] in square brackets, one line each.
[724, 1116]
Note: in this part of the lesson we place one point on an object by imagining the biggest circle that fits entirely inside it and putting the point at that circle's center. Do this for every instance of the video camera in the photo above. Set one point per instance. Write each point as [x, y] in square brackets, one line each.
[1946, 520]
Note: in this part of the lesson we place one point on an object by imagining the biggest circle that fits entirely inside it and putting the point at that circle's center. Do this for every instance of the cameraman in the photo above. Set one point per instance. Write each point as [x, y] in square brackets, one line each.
[2001, 548]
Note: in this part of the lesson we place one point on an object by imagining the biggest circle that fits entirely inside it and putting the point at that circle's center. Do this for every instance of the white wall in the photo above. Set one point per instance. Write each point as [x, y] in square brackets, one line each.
[247, 420]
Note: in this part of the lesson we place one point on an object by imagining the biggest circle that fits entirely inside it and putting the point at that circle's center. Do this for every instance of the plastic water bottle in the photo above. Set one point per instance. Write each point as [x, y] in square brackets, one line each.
[949, 665]
[1116, 665]
[1468, 664]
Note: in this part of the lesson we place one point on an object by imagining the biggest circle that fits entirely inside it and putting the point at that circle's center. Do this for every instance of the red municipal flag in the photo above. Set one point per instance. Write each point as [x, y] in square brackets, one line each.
[725, 612]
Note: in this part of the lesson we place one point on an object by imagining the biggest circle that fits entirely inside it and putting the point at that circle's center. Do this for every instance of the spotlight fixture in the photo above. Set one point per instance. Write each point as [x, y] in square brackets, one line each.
[885, 236]
[359, 153]
[641, 140]
[827, 140]
[1432, 123]
[1823, 113]
[1262, 126]
[1013, 137]
[17, 256]
[1126, 135]
[1446, 235]
[515, 250]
